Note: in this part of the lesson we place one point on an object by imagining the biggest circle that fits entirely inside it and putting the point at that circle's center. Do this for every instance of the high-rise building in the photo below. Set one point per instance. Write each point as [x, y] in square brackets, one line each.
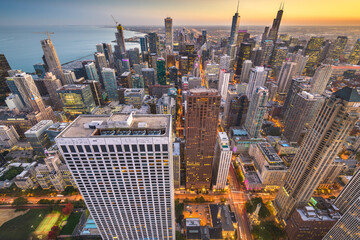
[149, 76]
[244, 54]
[318, 150]
[245, 73]
[91, 71]
[321, 79]
[256, 112]
[257, 79]
[222, 161]
[176, 164]
[286, 74]
[347, 227]
[133, 197]
[169, 34]
[23, 85]
[225, 62]
[354, 57]
[134, 56]
[267, 49]
[278, 57]
[349, 194]
[52, 60]
[235, 110]
[173, 75]
[234, 27]
[76, 99]
[201, 121]
[110, 85]
[4, 68]
[100, 62]
[134, 96]
[161, 71]
[273, 33]
[106, 49]
[153, 43]
[242, 36]
[69, 77]
[224, 78]
[144, 44]
[96, 91]
[13, 102]
[8, 136]
[300, 64]
[38, 138]
[120, 40]
[302, 109]
[52, 84]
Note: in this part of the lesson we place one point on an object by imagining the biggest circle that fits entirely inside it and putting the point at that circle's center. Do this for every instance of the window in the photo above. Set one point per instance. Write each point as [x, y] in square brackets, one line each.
[80, 148]
[103, 148]
[127, 148]
[134, 148]
[118, 148]
[111, 148]
[142, 148]
[87, 148]
[157, 147]
[72, 149]
[165, 147]
[149, 148]
[96, 148]
[64, 148]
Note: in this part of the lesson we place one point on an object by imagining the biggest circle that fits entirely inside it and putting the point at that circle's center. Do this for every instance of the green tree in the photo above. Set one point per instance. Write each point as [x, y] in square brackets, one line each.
[179, 209]
[179, 236]
[20, 201]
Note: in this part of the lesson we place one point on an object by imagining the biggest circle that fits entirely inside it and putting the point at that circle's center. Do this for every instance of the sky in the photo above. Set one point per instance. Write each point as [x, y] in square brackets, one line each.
[184, 12]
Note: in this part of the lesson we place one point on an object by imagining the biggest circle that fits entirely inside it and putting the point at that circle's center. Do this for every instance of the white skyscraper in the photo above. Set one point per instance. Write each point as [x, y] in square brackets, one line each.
[244, 77]
[256, 112]
[91, 72]
[224, 79]
[122, 165]
[222, 160]
[69, 77]
[321, 79]
[285, 76]
[347, 228]
[257, 79]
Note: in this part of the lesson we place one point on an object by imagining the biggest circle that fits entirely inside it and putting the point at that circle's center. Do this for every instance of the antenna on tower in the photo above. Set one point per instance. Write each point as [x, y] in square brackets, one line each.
[237, 10]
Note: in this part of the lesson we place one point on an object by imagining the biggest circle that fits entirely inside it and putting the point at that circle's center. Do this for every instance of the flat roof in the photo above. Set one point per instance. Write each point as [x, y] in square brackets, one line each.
[86, 126]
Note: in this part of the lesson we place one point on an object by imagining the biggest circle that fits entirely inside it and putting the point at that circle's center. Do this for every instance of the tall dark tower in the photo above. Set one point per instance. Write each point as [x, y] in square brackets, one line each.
[273, 34]
[120, 38]
[234, 26]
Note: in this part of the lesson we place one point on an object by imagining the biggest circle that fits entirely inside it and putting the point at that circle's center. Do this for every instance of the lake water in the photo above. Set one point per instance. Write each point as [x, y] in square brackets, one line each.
[22, 47]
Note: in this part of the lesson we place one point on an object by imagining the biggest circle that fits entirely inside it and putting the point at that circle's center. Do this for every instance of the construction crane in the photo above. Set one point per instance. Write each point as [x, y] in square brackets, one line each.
[116, 22]
[47, 33]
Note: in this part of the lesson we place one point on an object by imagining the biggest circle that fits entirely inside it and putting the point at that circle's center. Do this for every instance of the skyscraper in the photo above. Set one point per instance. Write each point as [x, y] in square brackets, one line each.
[318, 150]
[354, 57]
[224, 78]
[52, 60]
[347, 227]
[321, 79]
[91, 71]
[337, 48]
[277, 58]
[153, 43]
[256, 112]
[4, 68]
[257, 79]
[222, 161]
[234, 26]
[144, 44]
[286, 74]
[244, 77]
[244, 54]
[169, 34]
[161, 71]
[120, 40]
[273, 34]
[76, 99]
[302, 110]
[349, 194]
[201, 121]
[125, 173]
[52, 84]
[110, 85]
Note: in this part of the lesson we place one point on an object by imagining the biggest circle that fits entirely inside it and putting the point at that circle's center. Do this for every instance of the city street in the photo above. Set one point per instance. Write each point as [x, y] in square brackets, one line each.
[34, 200]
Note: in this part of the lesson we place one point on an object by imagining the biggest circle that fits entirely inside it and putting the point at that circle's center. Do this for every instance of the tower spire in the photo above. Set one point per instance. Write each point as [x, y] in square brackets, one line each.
[237, 10]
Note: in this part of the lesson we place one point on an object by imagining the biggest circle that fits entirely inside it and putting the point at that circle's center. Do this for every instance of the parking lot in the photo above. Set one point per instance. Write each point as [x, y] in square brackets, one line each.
[198, 210]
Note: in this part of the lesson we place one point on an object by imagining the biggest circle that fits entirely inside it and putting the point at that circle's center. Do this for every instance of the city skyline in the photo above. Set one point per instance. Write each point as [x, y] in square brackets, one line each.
[186, 12]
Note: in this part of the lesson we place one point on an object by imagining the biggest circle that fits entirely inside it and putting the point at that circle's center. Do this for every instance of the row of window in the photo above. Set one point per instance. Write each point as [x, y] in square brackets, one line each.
[116, 148]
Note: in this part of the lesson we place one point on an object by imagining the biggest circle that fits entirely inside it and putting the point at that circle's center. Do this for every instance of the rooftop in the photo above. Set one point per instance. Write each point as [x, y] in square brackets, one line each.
[42, 125]
[117, 124]
[72, 87]
[348, 94]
